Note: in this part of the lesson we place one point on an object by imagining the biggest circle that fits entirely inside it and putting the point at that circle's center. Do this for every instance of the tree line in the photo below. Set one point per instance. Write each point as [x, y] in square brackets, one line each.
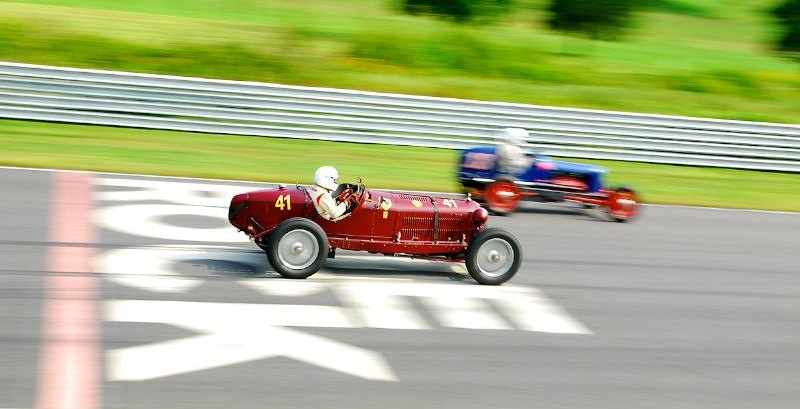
[601, 19]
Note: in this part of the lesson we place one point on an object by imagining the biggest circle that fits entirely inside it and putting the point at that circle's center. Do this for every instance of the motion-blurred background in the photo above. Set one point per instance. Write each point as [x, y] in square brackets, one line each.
[723, 59]
[101, 306]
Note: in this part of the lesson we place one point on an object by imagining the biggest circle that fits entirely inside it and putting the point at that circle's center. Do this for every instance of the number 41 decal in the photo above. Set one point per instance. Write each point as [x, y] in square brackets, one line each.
[284, 201]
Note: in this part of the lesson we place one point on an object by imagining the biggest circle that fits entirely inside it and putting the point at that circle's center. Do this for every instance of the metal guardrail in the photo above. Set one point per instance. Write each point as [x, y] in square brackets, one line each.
[43, 93]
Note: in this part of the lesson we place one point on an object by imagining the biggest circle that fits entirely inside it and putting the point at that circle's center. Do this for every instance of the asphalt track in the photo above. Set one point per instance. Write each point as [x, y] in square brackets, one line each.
[683, 308]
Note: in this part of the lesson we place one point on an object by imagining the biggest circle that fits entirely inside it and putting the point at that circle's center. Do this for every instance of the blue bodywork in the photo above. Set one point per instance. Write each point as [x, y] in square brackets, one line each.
[479, 165]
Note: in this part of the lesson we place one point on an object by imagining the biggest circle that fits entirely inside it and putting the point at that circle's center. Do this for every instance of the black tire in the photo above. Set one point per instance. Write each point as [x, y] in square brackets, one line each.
[297, 248]
[496, 268]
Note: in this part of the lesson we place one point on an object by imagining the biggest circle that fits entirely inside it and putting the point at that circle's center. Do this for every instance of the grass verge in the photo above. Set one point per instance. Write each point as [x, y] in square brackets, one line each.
[109, 149]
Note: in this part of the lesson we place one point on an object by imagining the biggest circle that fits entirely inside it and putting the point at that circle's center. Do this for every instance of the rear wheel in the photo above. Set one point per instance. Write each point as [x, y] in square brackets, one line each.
[623, 204]
[297, 248]
[502, 197]
[493, 257]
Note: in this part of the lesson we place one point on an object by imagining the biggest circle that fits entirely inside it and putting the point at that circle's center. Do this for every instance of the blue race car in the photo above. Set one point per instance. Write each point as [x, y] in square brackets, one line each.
[545, 180]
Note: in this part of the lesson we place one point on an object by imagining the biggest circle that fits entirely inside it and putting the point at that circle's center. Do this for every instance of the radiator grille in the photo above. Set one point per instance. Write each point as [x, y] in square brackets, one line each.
[421, 228]
[417, 228]
[451, 228]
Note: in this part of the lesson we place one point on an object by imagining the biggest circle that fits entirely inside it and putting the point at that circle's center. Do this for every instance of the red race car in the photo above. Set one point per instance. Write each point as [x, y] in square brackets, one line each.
[285, 224]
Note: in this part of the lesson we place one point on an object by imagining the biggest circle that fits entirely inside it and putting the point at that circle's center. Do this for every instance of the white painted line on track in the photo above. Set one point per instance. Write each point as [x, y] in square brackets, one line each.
[537, 312]
[222, 341]
[152, 269]
[284, 287]
[462, 312]
[527, 308]
[257, 332]
[381, 310]
[144, 220]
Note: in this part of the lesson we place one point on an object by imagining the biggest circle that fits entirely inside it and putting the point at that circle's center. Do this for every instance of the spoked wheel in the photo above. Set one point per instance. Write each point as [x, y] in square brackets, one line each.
[297, 248]
[493, 257]
[502, 197]
[623, 204]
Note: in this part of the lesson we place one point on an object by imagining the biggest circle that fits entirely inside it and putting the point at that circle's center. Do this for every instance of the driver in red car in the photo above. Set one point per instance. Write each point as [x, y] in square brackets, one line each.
[326, 179]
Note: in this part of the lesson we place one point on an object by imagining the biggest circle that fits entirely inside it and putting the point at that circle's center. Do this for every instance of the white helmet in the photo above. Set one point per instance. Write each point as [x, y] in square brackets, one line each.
[514, 135]
[327, 177]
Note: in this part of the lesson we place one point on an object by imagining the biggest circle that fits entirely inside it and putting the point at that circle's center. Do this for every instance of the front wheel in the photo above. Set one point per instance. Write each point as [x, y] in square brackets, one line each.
[623, 204]
[493, 257]
[502, 197]
[297, 248]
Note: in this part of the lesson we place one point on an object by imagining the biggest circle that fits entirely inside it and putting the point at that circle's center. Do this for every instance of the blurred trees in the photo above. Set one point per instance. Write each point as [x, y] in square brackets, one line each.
[604, 19]
[788, 15]
[596, 18]
[460, 11]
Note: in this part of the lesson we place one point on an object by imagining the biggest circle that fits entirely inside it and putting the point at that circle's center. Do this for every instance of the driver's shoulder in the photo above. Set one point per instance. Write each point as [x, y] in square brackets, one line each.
[317, 193]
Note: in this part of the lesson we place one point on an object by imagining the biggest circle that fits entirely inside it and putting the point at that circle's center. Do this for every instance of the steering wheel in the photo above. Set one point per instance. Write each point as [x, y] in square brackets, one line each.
[346, 193]
[352, 195]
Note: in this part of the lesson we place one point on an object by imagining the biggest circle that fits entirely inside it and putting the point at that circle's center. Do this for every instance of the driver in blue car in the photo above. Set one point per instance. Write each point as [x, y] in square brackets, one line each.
[326, 180]
[511, 160]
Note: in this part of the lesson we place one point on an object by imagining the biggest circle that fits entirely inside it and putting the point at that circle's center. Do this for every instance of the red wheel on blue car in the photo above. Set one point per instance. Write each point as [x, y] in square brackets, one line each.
[623, 204]
[502, 197]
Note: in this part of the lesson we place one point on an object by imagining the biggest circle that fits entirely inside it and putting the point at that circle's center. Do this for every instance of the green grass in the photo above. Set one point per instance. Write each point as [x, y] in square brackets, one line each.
[688, 57]
[706, 58]
[218, 156]
[45, 145]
